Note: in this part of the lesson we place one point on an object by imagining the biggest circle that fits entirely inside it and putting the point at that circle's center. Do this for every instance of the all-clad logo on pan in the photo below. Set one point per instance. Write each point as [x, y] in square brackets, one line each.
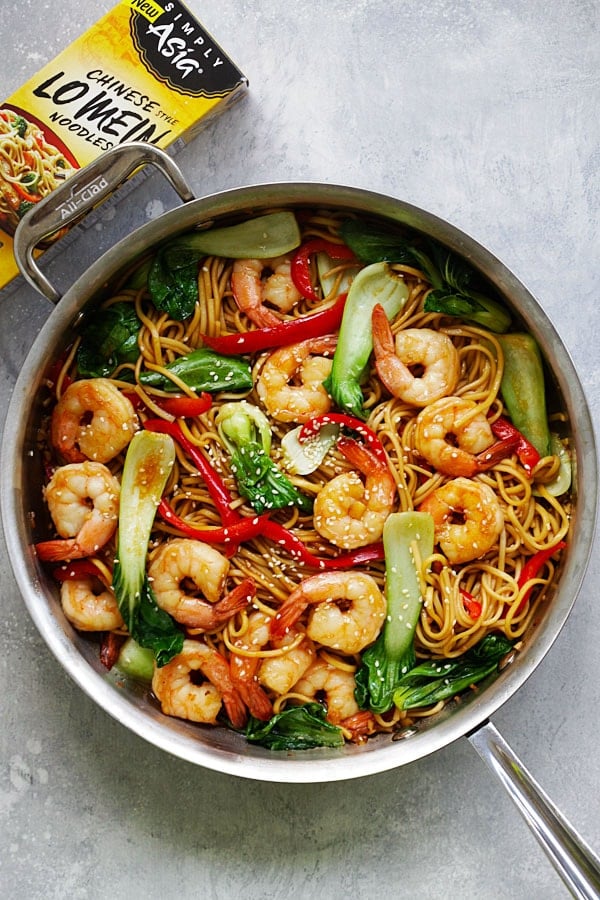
[77, 199]
[177, 51]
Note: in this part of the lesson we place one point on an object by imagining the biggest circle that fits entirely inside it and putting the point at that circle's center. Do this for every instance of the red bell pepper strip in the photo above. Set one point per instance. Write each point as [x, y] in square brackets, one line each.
[179, 405]
[313, 426]
[78, 568]
[532, 568]
[24, 193]
[528, 456]
[217, 488]
[247, 528]
[292, 331]
[183, 406]
[300, 265]
[243, 530]
[472, 606]
[56, 369]
[135, 399]
[294, 546]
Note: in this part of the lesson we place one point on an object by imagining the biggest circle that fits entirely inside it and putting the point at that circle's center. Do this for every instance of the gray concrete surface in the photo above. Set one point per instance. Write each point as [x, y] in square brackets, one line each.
[487, 114]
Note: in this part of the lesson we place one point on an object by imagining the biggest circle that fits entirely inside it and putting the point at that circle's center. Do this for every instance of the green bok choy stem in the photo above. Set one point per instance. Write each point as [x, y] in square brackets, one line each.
[407, 540]
[147, 467]
[523, 389]
[374, 284]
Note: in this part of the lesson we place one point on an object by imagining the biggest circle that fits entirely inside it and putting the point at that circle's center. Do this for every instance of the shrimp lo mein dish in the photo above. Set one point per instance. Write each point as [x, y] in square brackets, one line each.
[30, 167]
[303, 478]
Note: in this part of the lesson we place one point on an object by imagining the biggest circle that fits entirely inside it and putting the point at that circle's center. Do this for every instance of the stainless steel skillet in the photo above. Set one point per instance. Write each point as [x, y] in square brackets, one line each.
[223, 750]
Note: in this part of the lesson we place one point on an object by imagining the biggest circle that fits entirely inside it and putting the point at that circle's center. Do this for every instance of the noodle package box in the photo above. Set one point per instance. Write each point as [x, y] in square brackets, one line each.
[147, 71]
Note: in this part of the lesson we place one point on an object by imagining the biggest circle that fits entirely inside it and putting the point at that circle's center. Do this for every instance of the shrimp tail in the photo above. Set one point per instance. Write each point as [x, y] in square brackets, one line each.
[392, 371]
[494, 454]
[324, 345]
[110, 648]
[243, 675]
[205, 616]
[360, 726]
[235, 707]
[360, 457]
[383, 339]
[246, 290]
[287, 616]
[236, 600]
[218, 673]
[233, 602]
[59, 550]
[232, 699]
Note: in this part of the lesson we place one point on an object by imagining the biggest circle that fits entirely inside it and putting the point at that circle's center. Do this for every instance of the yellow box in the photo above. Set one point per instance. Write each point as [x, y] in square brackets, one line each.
[147, 71]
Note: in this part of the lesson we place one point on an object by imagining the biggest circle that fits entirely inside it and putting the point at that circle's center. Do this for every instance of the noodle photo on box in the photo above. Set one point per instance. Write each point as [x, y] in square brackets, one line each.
[303, 479]
[32, 164]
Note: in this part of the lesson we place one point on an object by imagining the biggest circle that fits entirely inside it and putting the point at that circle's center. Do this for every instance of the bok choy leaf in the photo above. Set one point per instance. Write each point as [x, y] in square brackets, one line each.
[441, 679]
[453, 292]
[203, 370]
[108, 339]
[296, 728]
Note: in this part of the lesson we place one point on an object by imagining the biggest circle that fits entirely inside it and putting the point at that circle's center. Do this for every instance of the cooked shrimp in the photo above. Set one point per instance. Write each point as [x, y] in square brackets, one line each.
[348, 512]
[180, 695]
[83, 500]
[244, 669]
[467, 516]
[347, 610]
[277, 672]
[280, 673]
[182, 564]
[290, 383]
[251, 291]
[89, 605]
[422, 366]
[92, 420]
[324, 681]
[456, 438]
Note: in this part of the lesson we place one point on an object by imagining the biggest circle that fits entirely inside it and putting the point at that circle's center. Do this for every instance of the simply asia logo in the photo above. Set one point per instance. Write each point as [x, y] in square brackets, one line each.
[177, 51]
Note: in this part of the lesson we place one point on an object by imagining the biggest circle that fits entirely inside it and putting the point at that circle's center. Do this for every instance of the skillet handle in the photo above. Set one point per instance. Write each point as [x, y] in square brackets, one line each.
[574, 861]
[81, 193]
